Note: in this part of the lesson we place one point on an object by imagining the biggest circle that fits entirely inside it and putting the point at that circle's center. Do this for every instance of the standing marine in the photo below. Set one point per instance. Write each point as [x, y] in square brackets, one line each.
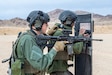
[60, 65]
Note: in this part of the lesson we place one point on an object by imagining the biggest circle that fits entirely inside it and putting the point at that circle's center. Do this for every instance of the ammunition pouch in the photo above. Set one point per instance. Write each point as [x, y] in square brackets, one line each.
[20, 68]
[17, 67]
[62, 55]
[29, 69]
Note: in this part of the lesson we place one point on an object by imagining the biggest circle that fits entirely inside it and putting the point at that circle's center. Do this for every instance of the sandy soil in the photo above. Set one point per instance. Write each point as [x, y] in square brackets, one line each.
[102, 54]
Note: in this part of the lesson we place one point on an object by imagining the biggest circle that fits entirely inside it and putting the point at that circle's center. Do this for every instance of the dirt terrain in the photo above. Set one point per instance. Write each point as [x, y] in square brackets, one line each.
[102, 54]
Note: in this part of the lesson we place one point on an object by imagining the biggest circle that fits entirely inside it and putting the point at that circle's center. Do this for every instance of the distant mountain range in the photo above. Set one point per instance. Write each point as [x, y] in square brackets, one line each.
[99, 19]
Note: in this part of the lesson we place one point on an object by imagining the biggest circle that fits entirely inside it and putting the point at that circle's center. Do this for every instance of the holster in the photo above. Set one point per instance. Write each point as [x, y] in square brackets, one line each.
[87, 50]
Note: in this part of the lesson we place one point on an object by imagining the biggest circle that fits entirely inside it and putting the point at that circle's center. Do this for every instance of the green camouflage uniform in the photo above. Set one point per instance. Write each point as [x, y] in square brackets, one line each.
[60, 64]
[30, 53]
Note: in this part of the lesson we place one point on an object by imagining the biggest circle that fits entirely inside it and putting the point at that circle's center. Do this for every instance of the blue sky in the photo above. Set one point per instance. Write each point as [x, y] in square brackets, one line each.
[21, 8]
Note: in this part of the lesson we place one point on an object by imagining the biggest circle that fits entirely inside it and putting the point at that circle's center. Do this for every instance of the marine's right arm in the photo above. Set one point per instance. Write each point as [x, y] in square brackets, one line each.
[34, 55]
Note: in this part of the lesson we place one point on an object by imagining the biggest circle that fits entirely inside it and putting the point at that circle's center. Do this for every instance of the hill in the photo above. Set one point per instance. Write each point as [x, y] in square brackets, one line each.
[99, 19]
[102, 24]
[13, 22]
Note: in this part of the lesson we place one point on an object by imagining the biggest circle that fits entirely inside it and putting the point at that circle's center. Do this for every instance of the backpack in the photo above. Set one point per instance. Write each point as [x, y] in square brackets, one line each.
[15, 64]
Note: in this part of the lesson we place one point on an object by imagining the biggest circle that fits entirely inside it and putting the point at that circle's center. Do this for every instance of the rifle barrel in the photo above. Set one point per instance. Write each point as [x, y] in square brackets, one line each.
[97, 39]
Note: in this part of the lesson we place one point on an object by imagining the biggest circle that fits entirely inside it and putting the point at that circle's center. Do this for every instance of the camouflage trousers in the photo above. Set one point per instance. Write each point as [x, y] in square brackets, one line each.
[61, 73]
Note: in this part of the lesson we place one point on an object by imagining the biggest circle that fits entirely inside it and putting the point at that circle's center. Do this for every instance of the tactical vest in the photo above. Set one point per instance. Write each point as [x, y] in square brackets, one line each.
[22, 63]
[61, 55]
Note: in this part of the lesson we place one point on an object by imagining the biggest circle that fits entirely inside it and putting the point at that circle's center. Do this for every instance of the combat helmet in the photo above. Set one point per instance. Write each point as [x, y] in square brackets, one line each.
[37, 18]
[67, 17]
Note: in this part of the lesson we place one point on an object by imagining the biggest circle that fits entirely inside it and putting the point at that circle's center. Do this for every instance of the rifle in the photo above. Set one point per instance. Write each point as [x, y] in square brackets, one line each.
[71, 40]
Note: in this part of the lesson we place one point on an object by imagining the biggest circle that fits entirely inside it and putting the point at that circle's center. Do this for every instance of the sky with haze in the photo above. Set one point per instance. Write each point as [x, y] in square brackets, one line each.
[21, 8]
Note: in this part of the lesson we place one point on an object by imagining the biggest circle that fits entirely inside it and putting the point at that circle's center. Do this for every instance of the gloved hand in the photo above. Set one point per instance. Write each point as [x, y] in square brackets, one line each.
[51, 30]
[60, 45]
[82, 31]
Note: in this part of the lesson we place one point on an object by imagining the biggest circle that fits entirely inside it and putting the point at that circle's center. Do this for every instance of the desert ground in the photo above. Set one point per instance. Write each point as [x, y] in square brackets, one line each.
[102, 51]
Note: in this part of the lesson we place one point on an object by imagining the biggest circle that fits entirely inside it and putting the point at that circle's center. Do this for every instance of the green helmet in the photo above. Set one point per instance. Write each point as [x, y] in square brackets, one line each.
[37, 18]
[67, 17]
